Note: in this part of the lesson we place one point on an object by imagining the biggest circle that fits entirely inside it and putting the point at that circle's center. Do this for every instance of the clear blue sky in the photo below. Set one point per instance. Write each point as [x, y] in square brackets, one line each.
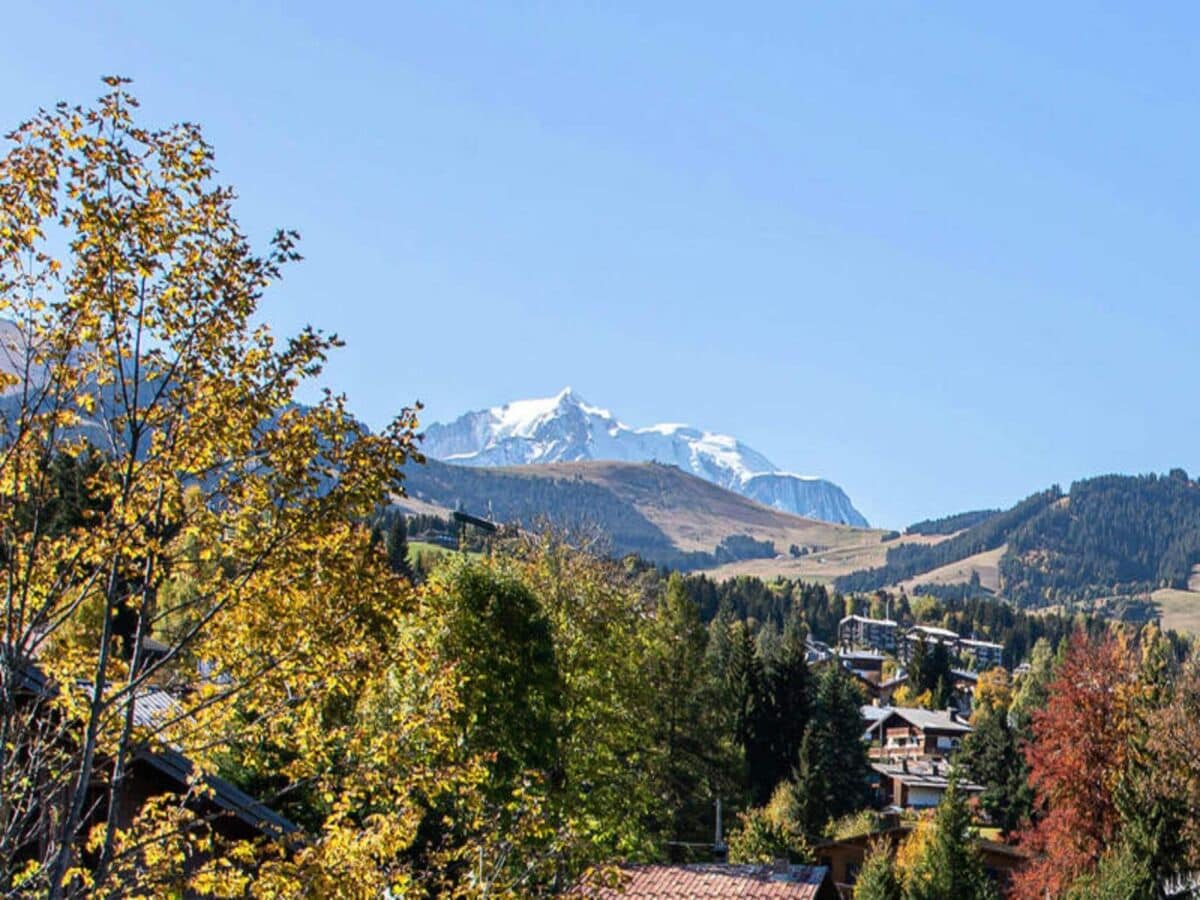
[944, 258]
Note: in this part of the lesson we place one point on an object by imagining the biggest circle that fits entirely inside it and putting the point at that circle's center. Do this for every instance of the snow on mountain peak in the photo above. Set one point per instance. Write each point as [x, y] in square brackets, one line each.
[566, 428]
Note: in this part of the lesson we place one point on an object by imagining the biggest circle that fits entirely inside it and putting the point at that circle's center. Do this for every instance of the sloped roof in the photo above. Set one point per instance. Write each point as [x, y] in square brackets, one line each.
[924, 774]
[152, 708]
[715, 880]
[925, 719]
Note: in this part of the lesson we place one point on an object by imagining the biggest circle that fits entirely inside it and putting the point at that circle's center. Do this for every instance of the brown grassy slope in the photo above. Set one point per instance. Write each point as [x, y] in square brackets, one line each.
[694, 514]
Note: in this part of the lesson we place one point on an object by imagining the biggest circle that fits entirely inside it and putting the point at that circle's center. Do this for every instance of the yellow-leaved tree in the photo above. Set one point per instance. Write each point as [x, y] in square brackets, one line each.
[187, 581]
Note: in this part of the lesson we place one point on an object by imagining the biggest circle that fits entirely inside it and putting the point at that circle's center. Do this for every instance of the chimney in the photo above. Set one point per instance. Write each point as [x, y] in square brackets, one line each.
[720, 851]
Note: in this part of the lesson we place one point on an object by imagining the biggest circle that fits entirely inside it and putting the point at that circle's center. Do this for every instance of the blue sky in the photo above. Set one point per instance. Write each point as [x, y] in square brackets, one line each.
[942, 257]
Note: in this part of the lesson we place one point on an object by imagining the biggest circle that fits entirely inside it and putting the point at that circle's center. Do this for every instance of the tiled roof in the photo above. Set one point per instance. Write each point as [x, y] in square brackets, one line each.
[713, 880]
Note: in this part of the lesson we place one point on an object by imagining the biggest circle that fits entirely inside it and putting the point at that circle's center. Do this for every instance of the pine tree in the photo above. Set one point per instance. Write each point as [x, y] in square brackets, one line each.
[747, 689]
[990, 756]
[950, 865]
[397, 547]
[832, 770]
[789, 685]
[684, 728]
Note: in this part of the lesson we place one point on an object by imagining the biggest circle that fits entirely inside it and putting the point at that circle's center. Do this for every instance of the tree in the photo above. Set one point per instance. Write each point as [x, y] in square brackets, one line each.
[1031, 691]
[496, 630]
[788, 702]
[949, 865]
[159, 481]
[745, 684]
[990, 756]
[695, 758]
[397, 547]
[1077, 757]
[832, 771]
[765, 834]
[877, 878]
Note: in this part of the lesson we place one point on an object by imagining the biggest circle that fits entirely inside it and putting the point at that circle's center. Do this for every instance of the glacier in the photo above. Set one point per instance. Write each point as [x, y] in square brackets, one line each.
[566, 428]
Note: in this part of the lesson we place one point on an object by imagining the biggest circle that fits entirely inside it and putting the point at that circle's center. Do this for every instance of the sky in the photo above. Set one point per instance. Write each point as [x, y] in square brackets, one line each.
[943, 257]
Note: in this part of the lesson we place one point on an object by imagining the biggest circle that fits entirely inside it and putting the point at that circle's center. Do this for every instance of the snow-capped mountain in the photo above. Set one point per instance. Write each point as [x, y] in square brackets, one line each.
[565, 428]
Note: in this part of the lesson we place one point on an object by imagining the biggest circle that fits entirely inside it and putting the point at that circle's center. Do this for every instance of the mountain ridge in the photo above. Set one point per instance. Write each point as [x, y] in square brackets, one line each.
[566, 428]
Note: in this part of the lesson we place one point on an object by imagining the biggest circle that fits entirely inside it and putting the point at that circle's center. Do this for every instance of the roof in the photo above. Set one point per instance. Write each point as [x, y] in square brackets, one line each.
[874, 713]
[868, 620]
[923, 774]
[925, 719]
[714, 880]
[861, 654]
[152, 708]
[933, 632]
[971, 642]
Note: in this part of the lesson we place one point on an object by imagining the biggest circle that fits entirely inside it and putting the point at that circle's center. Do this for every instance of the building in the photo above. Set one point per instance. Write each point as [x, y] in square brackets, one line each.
[907, 733]
[987, 655]
[930, 636]
[915, 784]
[844, 857]
[860, 631]
[155, 768]
[684, 882]
[867, 664]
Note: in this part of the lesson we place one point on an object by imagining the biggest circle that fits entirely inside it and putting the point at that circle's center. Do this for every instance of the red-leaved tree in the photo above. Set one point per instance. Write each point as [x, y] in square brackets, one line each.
[1076, 758]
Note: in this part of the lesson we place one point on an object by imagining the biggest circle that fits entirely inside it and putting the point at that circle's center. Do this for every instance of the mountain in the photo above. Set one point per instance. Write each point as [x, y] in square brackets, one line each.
[565, 428]
[663, 514]
[1113, 536]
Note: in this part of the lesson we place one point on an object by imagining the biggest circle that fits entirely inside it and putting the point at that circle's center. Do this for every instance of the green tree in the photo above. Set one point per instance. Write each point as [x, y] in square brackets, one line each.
[765, 834]
[1031, 691]
[397, 547]
[991, 757]
[504, 647]
[687, 732]
[877, 878]
[789, 701]
[1122, 874]
[950, 865]
[832, 770]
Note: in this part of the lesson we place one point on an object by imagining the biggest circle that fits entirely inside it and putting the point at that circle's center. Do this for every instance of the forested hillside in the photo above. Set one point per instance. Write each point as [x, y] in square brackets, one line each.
[909, 560]
[1114, 535]
[951, 524]
[1111, 535]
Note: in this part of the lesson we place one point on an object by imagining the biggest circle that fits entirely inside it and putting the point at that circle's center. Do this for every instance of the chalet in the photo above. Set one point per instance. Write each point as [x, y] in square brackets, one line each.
[875, 634]
[866, 663]
[844, 857]
[684, 882]
[816, 651]
[916, 734]
[158, 768]
[915, 784]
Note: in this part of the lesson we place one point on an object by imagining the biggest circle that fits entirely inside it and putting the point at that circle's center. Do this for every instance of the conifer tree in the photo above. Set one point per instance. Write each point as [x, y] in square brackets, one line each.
[397, 547]
[950, 866]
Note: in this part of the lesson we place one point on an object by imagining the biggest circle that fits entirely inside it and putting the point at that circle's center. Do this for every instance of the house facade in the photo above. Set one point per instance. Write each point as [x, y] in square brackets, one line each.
[875, 634]
[905, 733]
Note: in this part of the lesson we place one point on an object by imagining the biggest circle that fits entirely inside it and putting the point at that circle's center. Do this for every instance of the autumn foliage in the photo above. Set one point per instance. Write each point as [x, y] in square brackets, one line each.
[1077, 759]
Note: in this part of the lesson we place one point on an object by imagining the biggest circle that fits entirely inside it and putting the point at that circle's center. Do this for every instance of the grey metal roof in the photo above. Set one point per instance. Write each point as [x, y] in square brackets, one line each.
[923, 774]
[925, 719]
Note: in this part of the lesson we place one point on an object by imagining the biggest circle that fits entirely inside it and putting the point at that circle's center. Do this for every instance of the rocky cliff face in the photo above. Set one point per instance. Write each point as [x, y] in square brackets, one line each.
[565, 428]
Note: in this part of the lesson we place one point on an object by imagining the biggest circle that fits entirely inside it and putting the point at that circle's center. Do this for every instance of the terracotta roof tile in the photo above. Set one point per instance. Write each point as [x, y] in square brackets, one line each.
[713, 880]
